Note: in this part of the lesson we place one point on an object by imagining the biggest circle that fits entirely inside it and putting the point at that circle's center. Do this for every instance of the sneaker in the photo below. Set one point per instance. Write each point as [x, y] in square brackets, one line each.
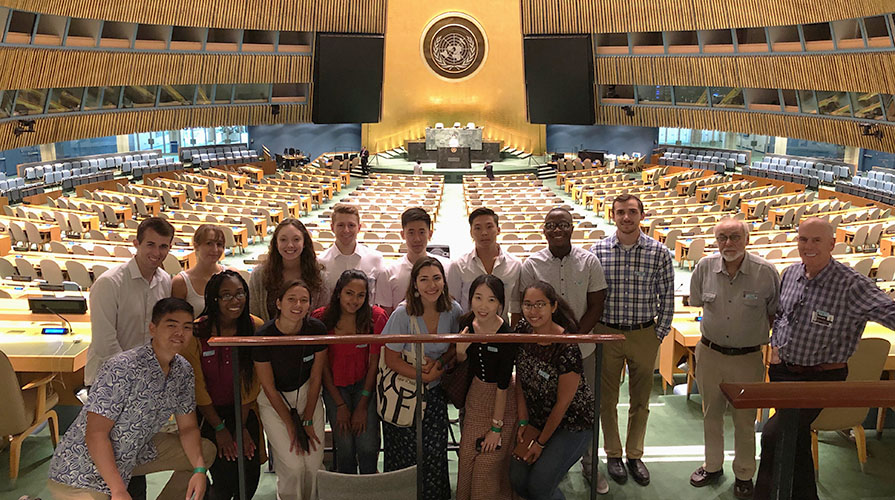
[602, 483]
[743, 488]
[703, 477]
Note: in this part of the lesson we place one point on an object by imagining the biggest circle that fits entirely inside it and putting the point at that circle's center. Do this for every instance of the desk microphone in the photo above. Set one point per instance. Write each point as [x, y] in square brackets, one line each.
[57, 331]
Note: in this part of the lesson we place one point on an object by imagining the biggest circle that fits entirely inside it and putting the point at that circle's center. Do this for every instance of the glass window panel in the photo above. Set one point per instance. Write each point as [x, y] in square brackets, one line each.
[111, 97]
[92, 99]
[204, 94]
[833, 103]
[65, 100]
[649, 94]
[867, 105]
[176, 95]
[252, 93]
[140, 96]
[691, 96]
[223, 93]
[888, 105]
[30, 101]
[6, 102]
[617, 93]
[807, 101]
[727, 97]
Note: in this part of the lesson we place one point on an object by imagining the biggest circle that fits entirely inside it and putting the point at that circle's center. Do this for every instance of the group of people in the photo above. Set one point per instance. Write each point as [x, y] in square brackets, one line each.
[150, 358]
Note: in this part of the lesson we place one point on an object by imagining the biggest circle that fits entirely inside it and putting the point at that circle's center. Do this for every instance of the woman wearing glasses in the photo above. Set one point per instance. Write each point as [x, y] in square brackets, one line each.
[226, 315]
[551, 396]
[486, 443]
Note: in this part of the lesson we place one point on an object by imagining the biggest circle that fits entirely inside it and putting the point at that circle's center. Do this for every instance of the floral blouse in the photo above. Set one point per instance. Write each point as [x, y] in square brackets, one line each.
[537, 373]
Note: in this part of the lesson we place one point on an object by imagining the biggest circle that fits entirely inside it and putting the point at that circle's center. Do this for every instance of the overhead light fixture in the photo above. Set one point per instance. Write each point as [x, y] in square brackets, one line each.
[871, 130]
[23, 126]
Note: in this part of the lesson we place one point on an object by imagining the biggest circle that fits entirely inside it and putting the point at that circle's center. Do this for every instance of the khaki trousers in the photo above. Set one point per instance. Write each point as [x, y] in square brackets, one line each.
[713, 368]
[171, 457]
[639, 350]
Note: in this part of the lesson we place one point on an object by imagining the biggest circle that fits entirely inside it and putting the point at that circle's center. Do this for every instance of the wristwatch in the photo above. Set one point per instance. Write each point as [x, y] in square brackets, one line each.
[497, 423]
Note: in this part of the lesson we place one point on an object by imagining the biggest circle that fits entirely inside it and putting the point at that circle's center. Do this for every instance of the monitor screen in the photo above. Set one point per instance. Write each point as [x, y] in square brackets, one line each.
[559, 79]
[347, 78]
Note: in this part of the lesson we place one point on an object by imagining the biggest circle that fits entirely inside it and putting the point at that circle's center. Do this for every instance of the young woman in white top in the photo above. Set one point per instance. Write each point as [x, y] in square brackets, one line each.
[189, 285]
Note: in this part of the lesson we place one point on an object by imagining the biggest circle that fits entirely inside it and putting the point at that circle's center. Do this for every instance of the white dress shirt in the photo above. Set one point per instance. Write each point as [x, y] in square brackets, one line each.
[121, 303]
[466, 268]
[398, 278]
[364, 259]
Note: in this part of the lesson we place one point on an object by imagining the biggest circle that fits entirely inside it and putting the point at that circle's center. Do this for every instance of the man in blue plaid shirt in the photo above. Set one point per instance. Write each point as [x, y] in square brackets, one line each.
[823, 308]
[640, 305]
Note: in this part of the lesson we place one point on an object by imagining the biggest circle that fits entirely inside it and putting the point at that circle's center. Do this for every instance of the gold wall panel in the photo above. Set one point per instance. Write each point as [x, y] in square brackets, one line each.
[66, 128]
[846, 132]
[49, 68]
[620, 16]
[853, 72]
[413, 97]
[357, 16]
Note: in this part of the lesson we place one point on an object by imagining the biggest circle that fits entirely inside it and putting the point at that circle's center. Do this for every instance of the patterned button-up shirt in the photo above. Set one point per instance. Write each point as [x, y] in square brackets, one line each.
[132, 391]
[641, 282]
[820, 320]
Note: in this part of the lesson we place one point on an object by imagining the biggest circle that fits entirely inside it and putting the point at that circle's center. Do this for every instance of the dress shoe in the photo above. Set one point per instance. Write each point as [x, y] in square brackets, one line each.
[703, 477]
[616, 470]
[602, 483]
[742, 488]
[638, 471]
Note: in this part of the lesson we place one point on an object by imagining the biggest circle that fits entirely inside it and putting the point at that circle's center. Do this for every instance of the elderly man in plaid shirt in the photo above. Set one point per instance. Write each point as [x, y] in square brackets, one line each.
[824, 306]
[639, 305]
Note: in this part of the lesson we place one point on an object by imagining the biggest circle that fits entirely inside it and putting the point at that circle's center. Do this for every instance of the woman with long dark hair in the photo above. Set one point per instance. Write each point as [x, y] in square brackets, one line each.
[349, 378]
[225, 315]
[552, 397]
[490, 410]
[290, 257]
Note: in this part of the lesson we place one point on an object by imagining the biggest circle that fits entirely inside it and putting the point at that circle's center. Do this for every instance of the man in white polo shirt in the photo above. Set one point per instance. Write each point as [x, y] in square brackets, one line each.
[346, 253]
[416, 228]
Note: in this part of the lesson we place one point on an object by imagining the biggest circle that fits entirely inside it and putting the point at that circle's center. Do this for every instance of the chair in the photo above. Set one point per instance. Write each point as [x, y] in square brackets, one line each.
[7, 269]
[395, 485]
[171, 265]
[18, 234]
[24, 409]
[51, 272]
[98, 270]
[864, 266]
[885, 271]
[671, 238]
[122, 251]
[33, 235]
[866, 364]
[774, 254]
[694, 253]
[860, 238]
[792, 253]
[873, 236]
[111, 218]
[25, 268]
[840, 248]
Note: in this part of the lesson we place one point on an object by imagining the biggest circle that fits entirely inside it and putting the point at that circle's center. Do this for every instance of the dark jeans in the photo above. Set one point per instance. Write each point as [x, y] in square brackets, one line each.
[540, 480]
[352, 451]
[224, 473]
[803, 485]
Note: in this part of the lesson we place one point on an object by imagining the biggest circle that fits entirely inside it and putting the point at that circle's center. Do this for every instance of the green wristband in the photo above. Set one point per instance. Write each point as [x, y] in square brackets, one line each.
[307, 422]
[365, 393]
[219, 427]
[496, 429]
[200, 470]
[523, 423]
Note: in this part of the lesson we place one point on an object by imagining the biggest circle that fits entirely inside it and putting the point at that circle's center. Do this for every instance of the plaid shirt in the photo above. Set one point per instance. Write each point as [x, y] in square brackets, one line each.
[820, 320]
[641, 282]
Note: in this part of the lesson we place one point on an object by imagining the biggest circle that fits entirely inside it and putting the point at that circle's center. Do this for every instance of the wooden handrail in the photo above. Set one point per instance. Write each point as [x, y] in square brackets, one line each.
[811, 394]
[521, 338]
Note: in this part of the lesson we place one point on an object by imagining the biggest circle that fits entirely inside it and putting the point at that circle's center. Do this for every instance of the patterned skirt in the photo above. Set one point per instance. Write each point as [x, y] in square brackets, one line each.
[400, 446]
[485, 476]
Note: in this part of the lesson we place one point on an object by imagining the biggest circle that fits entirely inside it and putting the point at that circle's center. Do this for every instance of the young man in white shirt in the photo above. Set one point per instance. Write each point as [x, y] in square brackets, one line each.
[486, 258]
[346, 253]
[416, 229]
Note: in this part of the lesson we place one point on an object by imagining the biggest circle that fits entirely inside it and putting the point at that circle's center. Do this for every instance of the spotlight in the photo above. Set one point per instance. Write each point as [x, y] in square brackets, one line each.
[275, 109]
[23, 126]
[629, 111]
[872, 130]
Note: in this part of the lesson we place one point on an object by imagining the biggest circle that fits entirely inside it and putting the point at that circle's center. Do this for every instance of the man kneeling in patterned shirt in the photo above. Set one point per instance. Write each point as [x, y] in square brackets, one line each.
[116, 435]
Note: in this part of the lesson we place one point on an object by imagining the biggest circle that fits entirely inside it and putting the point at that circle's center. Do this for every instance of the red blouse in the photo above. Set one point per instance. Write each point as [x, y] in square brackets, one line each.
[349, 362]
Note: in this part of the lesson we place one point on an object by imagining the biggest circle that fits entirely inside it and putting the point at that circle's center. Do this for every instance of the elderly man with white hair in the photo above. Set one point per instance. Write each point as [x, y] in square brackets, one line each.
[738, 293]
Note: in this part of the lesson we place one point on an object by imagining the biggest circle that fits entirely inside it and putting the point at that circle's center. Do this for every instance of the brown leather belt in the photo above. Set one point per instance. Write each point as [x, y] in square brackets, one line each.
[814, 368]
[730, 351]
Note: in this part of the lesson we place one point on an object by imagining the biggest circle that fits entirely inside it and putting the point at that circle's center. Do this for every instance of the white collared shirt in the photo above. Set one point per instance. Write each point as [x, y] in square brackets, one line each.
[121, 303]
[466, 268]
[365, 259]
[398, 278]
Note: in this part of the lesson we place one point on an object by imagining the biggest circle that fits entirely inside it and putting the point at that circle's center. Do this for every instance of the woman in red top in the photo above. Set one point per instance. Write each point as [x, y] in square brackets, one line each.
[350, 377]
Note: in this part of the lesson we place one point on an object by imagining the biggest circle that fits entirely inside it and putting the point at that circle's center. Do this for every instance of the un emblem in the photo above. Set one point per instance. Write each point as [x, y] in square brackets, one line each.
[454, 46]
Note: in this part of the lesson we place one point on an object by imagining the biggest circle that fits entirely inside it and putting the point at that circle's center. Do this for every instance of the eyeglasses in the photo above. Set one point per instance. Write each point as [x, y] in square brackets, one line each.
[228, 297]
[733, 238]
[534, 305]
[550, 226]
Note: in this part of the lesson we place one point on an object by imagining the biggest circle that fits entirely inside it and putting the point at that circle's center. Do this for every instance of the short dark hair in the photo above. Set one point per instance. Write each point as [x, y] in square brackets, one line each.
[168, 306]
[157, 224]
[480, 212]
[625, 197]
[559, 209]
[415, 214]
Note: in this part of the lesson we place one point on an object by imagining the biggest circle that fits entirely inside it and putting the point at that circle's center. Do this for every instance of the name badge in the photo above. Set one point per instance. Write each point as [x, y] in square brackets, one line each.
[822, 318]
[750, 296]
[308, 358]
[206, 354]
[361, 346]
[544, 374]
[492, 348]
[641, 274]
